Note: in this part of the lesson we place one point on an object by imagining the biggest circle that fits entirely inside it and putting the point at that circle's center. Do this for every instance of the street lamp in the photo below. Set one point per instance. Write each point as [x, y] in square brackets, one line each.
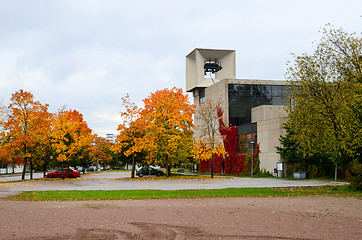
[252, 157]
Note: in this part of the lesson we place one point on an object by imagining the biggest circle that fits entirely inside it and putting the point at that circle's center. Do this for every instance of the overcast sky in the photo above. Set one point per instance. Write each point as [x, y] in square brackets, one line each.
[87, 54]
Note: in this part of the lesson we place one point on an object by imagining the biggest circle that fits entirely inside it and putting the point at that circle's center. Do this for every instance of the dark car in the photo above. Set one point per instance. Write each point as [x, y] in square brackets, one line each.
[58, 173]
[148, 171]
[91, 169]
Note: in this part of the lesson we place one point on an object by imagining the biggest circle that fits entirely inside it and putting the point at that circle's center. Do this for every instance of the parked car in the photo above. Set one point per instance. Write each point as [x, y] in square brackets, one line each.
[58, 173]
[91, 169]
[148, 171]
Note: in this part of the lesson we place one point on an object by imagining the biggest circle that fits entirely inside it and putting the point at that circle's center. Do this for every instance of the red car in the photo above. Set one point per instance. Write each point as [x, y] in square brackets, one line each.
[58, 174]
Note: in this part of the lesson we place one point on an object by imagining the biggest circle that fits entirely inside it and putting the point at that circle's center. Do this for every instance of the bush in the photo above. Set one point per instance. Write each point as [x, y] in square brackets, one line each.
[354, 175]
[264, 173]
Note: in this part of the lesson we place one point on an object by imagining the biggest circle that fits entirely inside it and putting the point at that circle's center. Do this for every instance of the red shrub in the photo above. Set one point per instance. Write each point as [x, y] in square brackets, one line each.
[234, 163]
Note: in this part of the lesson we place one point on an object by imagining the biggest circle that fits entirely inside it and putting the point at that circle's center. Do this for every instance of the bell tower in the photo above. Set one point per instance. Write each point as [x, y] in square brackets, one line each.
[205, 67]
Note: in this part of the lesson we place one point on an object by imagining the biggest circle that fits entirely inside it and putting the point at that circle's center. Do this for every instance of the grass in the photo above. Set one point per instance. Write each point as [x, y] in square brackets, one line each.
[343, 191]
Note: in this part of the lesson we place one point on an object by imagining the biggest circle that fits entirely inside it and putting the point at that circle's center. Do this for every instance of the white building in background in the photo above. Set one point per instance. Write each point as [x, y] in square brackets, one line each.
[111, 137]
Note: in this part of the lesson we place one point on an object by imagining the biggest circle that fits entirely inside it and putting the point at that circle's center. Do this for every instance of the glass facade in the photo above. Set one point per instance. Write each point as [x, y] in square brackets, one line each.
[243, 97]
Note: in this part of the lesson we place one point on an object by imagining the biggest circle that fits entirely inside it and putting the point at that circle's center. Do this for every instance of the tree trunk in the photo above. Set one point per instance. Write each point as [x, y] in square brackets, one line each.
[25, 162]
[62, 171]
[24, 168]
[168, 172]
[212, 155]
[133, 167]
[212, 166]
[44, 169]
[31, 168]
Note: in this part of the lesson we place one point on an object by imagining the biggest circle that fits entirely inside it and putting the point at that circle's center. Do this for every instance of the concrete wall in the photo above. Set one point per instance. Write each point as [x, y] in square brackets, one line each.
[267, 112]
[216, 93]
[269, 119]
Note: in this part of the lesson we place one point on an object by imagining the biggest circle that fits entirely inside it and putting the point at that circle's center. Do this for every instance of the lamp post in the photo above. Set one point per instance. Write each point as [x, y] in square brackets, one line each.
[252, 157]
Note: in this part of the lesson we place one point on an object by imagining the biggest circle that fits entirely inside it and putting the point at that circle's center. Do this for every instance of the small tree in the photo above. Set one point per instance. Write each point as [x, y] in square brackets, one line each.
[210, 140]
[102, 150]
[130, 131]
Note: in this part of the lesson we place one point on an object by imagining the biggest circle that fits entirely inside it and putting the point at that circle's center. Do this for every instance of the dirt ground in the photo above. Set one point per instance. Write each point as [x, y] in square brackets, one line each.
[213, 218]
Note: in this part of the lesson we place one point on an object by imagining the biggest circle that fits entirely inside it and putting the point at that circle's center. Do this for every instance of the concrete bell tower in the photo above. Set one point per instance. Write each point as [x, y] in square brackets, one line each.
[198, 61]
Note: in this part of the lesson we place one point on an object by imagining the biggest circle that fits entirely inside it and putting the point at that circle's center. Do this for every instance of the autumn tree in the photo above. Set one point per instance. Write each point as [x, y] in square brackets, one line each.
[210, 142]
[22, 123]
[8, 155]
[71, 136]
[102, 150]
[131, 130]
[43, 149]
[325, 114]
[167, 116]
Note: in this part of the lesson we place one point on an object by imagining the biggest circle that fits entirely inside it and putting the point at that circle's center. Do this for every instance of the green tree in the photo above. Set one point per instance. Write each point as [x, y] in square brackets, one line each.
[326, 93]
[318, 165]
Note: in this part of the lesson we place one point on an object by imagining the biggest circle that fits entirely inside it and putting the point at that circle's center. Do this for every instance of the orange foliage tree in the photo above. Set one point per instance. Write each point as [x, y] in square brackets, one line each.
[71, 136]
[131, 130]
[101, 150]
[22, 123]
[8, 155]
[167, 116]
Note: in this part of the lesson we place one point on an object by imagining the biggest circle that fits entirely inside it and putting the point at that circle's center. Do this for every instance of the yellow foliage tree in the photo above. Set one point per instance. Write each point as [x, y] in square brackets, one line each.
[167, 118]
[209, 139]
[102, 150]
[71, 136]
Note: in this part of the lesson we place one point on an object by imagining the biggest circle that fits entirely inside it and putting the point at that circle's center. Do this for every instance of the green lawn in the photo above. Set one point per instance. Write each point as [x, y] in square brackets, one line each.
[160, 194]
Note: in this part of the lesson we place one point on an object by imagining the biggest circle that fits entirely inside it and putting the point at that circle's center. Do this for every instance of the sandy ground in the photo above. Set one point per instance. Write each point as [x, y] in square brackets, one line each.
[214, 218]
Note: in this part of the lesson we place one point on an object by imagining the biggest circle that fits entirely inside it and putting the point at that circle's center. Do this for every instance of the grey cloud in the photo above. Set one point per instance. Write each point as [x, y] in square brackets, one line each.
[88, 54]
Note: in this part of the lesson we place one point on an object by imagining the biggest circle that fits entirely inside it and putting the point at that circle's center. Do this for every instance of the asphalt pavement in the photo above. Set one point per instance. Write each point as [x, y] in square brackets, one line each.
[121, 181]
[17, 176]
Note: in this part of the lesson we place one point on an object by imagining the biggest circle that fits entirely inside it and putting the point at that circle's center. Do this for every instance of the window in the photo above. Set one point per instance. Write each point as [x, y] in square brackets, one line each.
[202, 95]
[243, 97]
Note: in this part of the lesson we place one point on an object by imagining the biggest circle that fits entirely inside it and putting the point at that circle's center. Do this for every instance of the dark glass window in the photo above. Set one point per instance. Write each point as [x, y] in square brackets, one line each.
[243, 97]
[277, 101]
[277, 90]
[202, 95]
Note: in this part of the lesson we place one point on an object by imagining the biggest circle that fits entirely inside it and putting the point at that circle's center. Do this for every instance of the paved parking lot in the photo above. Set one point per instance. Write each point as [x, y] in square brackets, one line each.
[121, 181]
[17, 177]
